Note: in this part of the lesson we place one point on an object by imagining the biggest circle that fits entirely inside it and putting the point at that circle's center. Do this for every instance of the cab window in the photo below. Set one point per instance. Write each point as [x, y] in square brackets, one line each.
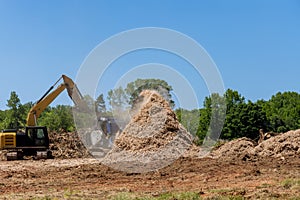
[40, 134]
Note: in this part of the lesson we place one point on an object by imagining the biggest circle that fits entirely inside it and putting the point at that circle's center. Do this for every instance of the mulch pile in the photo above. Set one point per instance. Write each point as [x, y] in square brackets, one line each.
[280, 146]
[152, 139]
[67, 145]
[286, 144]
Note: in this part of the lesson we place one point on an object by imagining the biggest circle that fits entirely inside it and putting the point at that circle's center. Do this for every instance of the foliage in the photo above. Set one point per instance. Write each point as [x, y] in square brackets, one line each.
[57, 118]
[242, 119]
[117, 98]
[2, 117]
[121, 99]
[14, 117]
[163, 196]
[290, 183]
[210, 121]
[283, 111]
[100, 106]
[133, 89]
[189, 119]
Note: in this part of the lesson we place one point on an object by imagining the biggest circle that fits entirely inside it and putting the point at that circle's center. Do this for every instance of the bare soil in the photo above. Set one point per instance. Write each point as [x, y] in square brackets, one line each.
[86, 178]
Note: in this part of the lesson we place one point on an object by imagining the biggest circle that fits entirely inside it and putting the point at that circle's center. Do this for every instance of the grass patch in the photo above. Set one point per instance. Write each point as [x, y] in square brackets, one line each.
[221, 191]
[225, 198]
[264, 185]
[177, 196]
[227, 194]
[164, 196]
[290, 183]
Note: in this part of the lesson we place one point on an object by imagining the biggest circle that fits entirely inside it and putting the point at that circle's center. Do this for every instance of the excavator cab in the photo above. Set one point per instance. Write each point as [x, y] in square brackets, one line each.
[34, 137]
[38, 136]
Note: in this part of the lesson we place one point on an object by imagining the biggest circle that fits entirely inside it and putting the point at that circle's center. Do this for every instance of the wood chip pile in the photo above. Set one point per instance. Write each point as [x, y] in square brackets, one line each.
[152, 138]
[67, 145]
[280, 146]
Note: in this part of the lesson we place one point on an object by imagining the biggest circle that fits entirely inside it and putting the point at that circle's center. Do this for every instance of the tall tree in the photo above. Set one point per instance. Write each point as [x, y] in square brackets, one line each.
[233, 98]
[58, 118]
[14, 117]
[211, 117]
[117, 98]
[133, 89]
[283, 111]
[189, 119]
[2, 118]
[242, 119]
[100, 104]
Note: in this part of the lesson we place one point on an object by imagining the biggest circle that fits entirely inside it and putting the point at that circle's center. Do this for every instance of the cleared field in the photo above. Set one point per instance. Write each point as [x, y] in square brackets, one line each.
[88, 179]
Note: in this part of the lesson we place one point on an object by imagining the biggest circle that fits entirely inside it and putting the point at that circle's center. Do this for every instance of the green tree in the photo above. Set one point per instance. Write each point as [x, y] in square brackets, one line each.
[189, 119]
[2, 118]
[126, 98]
[100, 106]
[14, 116]
[283, 111]
[117, 98]
[58, 118]
[234, 102]
[211, 117]
[133, 89]
[204, 121]
[233, 98]
[242, 119]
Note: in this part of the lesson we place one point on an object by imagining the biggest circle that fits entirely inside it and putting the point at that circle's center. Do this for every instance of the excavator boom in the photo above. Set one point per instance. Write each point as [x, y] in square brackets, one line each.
[48, 97]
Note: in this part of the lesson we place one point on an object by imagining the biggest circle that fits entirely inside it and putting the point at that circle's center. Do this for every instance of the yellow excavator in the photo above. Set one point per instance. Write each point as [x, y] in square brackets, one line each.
[34, 140]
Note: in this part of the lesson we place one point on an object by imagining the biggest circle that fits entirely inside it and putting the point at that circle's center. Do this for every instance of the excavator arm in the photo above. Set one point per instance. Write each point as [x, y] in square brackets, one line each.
[49, 96]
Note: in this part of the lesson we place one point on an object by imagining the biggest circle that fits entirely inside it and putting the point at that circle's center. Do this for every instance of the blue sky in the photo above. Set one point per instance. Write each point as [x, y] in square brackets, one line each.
[255, 44]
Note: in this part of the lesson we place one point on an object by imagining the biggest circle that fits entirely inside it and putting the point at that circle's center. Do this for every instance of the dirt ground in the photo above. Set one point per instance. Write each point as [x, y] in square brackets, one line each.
[86, 178]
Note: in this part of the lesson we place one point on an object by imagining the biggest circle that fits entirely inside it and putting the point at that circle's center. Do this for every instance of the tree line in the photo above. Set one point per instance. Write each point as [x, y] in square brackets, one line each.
[242, 118]
[55, 118]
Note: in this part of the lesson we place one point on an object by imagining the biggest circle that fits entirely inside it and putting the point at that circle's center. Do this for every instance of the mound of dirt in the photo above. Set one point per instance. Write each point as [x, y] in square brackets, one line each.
[152, 139]
[285, 144]
[67, 145]
[238, 148]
